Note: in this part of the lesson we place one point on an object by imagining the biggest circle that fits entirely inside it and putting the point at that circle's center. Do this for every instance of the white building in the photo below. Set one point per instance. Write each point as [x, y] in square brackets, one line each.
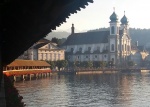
[44, 50]
[111, 45]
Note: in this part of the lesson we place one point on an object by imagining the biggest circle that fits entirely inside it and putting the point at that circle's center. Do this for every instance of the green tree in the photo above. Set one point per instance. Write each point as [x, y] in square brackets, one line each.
[103, 64]
[88, 64]
[55, 40]
[62, 63]
[52, 64]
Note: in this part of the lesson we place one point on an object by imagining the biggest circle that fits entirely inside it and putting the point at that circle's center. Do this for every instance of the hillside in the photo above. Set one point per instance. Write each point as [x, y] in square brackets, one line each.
[140, 35]
[58, 35]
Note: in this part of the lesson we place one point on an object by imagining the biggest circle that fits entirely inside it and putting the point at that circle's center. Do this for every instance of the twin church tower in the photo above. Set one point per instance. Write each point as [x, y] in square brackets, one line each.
[108, 45]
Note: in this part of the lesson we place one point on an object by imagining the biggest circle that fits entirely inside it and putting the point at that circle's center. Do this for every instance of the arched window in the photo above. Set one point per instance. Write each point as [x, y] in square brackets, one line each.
[80, 49]
[112, 30]
[89, 48]
[112, 47]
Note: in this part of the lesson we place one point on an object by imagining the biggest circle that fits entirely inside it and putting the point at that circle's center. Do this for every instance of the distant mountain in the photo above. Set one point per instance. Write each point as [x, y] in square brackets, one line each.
[58, 35]
[137, 34]
[140, 35]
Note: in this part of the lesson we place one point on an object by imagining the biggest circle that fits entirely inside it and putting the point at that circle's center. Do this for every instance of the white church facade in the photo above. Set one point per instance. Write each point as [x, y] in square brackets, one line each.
[108, 45]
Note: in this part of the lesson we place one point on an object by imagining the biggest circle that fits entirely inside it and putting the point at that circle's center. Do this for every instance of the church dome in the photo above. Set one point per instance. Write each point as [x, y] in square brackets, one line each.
[124, 20]
[114, 17]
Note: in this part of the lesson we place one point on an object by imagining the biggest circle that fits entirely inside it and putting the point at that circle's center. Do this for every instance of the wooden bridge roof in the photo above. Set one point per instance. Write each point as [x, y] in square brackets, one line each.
[28, 63]
[24, 22]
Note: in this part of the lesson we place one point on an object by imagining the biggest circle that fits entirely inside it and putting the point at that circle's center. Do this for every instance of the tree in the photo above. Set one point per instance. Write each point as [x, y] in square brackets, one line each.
[52, 64]
[55, 40]
[102, 64]
[61, 64]
[88, 64]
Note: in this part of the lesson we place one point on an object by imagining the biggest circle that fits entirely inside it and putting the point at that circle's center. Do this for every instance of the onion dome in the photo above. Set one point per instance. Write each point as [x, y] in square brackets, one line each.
[114, 17]
[124, 20]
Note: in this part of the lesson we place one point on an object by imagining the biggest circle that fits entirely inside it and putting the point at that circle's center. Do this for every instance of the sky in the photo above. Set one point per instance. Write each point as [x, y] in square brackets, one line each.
[96, 15]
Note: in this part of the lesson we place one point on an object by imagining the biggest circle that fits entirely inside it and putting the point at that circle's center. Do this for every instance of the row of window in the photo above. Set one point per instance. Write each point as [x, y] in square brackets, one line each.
[49, 56]
[87, 56]
[89, 49]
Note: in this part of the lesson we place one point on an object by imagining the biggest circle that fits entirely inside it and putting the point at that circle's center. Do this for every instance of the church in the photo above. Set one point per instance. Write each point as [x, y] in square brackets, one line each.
[113, 44]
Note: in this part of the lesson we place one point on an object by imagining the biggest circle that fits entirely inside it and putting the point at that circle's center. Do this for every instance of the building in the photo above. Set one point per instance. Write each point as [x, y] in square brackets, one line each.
[139, 55]
[109, 45]
[44, 50]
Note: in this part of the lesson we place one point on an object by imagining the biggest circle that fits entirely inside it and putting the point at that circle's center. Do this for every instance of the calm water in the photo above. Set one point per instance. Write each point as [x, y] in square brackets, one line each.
[103, 90]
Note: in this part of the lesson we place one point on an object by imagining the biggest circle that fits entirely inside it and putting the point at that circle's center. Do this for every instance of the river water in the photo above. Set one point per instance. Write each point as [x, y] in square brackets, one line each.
[99, 90]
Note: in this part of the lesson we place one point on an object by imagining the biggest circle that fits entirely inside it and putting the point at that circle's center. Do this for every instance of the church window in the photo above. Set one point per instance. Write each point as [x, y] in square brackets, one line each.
[112, 47]
[78, 57]
[112, 30]
[112, 60]
[80, 49]
[125, 47]
[95, 56]
[89, 48]
[71, 49]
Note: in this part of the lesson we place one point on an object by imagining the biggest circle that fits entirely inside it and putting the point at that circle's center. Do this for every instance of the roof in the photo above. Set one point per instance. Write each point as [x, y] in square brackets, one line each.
[37, 46]
[43, 40]
[114, 17]
[28, 63]
[87, 38]
[26, 22]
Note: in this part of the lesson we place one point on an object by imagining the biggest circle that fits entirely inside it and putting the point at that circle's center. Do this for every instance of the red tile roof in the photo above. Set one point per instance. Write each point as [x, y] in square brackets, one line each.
[28, 63]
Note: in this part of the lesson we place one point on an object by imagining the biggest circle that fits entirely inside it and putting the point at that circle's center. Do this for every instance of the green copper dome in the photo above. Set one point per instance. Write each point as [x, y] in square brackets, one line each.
[114, 17]
[124, 20]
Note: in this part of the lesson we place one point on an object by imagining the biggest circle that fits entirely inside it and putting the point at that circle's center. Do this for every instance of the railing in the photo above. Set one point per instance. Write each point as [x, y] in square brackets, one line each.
[26, 71]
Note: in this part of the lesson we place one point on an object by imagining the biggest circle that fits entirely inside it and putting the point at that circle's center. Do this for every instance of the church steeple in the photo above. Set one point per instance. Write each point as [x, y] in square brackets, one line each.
[114, 24]
[72, 29]
[124, 20]
[114, 17]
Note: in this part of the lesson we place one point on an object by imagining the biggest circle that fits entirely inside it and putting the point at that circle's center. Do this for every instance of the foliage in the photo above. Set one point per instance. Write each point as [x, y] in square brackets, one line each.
[55, 40]
[103, 64]
[61, 64]
[88, 64]
[52, 64]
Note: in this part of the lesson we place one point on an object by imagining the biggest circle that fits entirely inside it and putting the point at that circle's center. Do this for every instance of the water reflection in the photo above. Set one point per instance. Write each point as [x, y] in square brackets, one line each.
[105, 90]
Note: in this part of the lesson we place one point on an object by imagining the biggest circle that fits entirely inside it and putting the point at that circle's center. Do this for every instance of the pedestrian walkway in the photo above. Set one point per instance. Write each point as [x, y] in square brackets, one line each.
[2, 95]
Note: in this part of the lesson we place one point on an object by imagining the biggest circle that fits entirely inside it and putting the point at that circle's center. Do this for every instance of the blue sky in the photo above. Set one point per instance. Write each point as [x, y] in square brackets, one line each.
[96, 15]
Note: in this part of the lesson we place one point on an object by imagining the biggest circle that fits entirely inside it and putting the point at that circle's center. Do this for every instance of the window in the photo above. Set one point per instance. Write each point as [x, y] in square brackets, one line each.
[112, 30]
[95, 56]
[71, 49]
[87, 57]
[78, 57]
[80, 49]
[112, 60]
[98, 48]
[89, 48]
[112, 47]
